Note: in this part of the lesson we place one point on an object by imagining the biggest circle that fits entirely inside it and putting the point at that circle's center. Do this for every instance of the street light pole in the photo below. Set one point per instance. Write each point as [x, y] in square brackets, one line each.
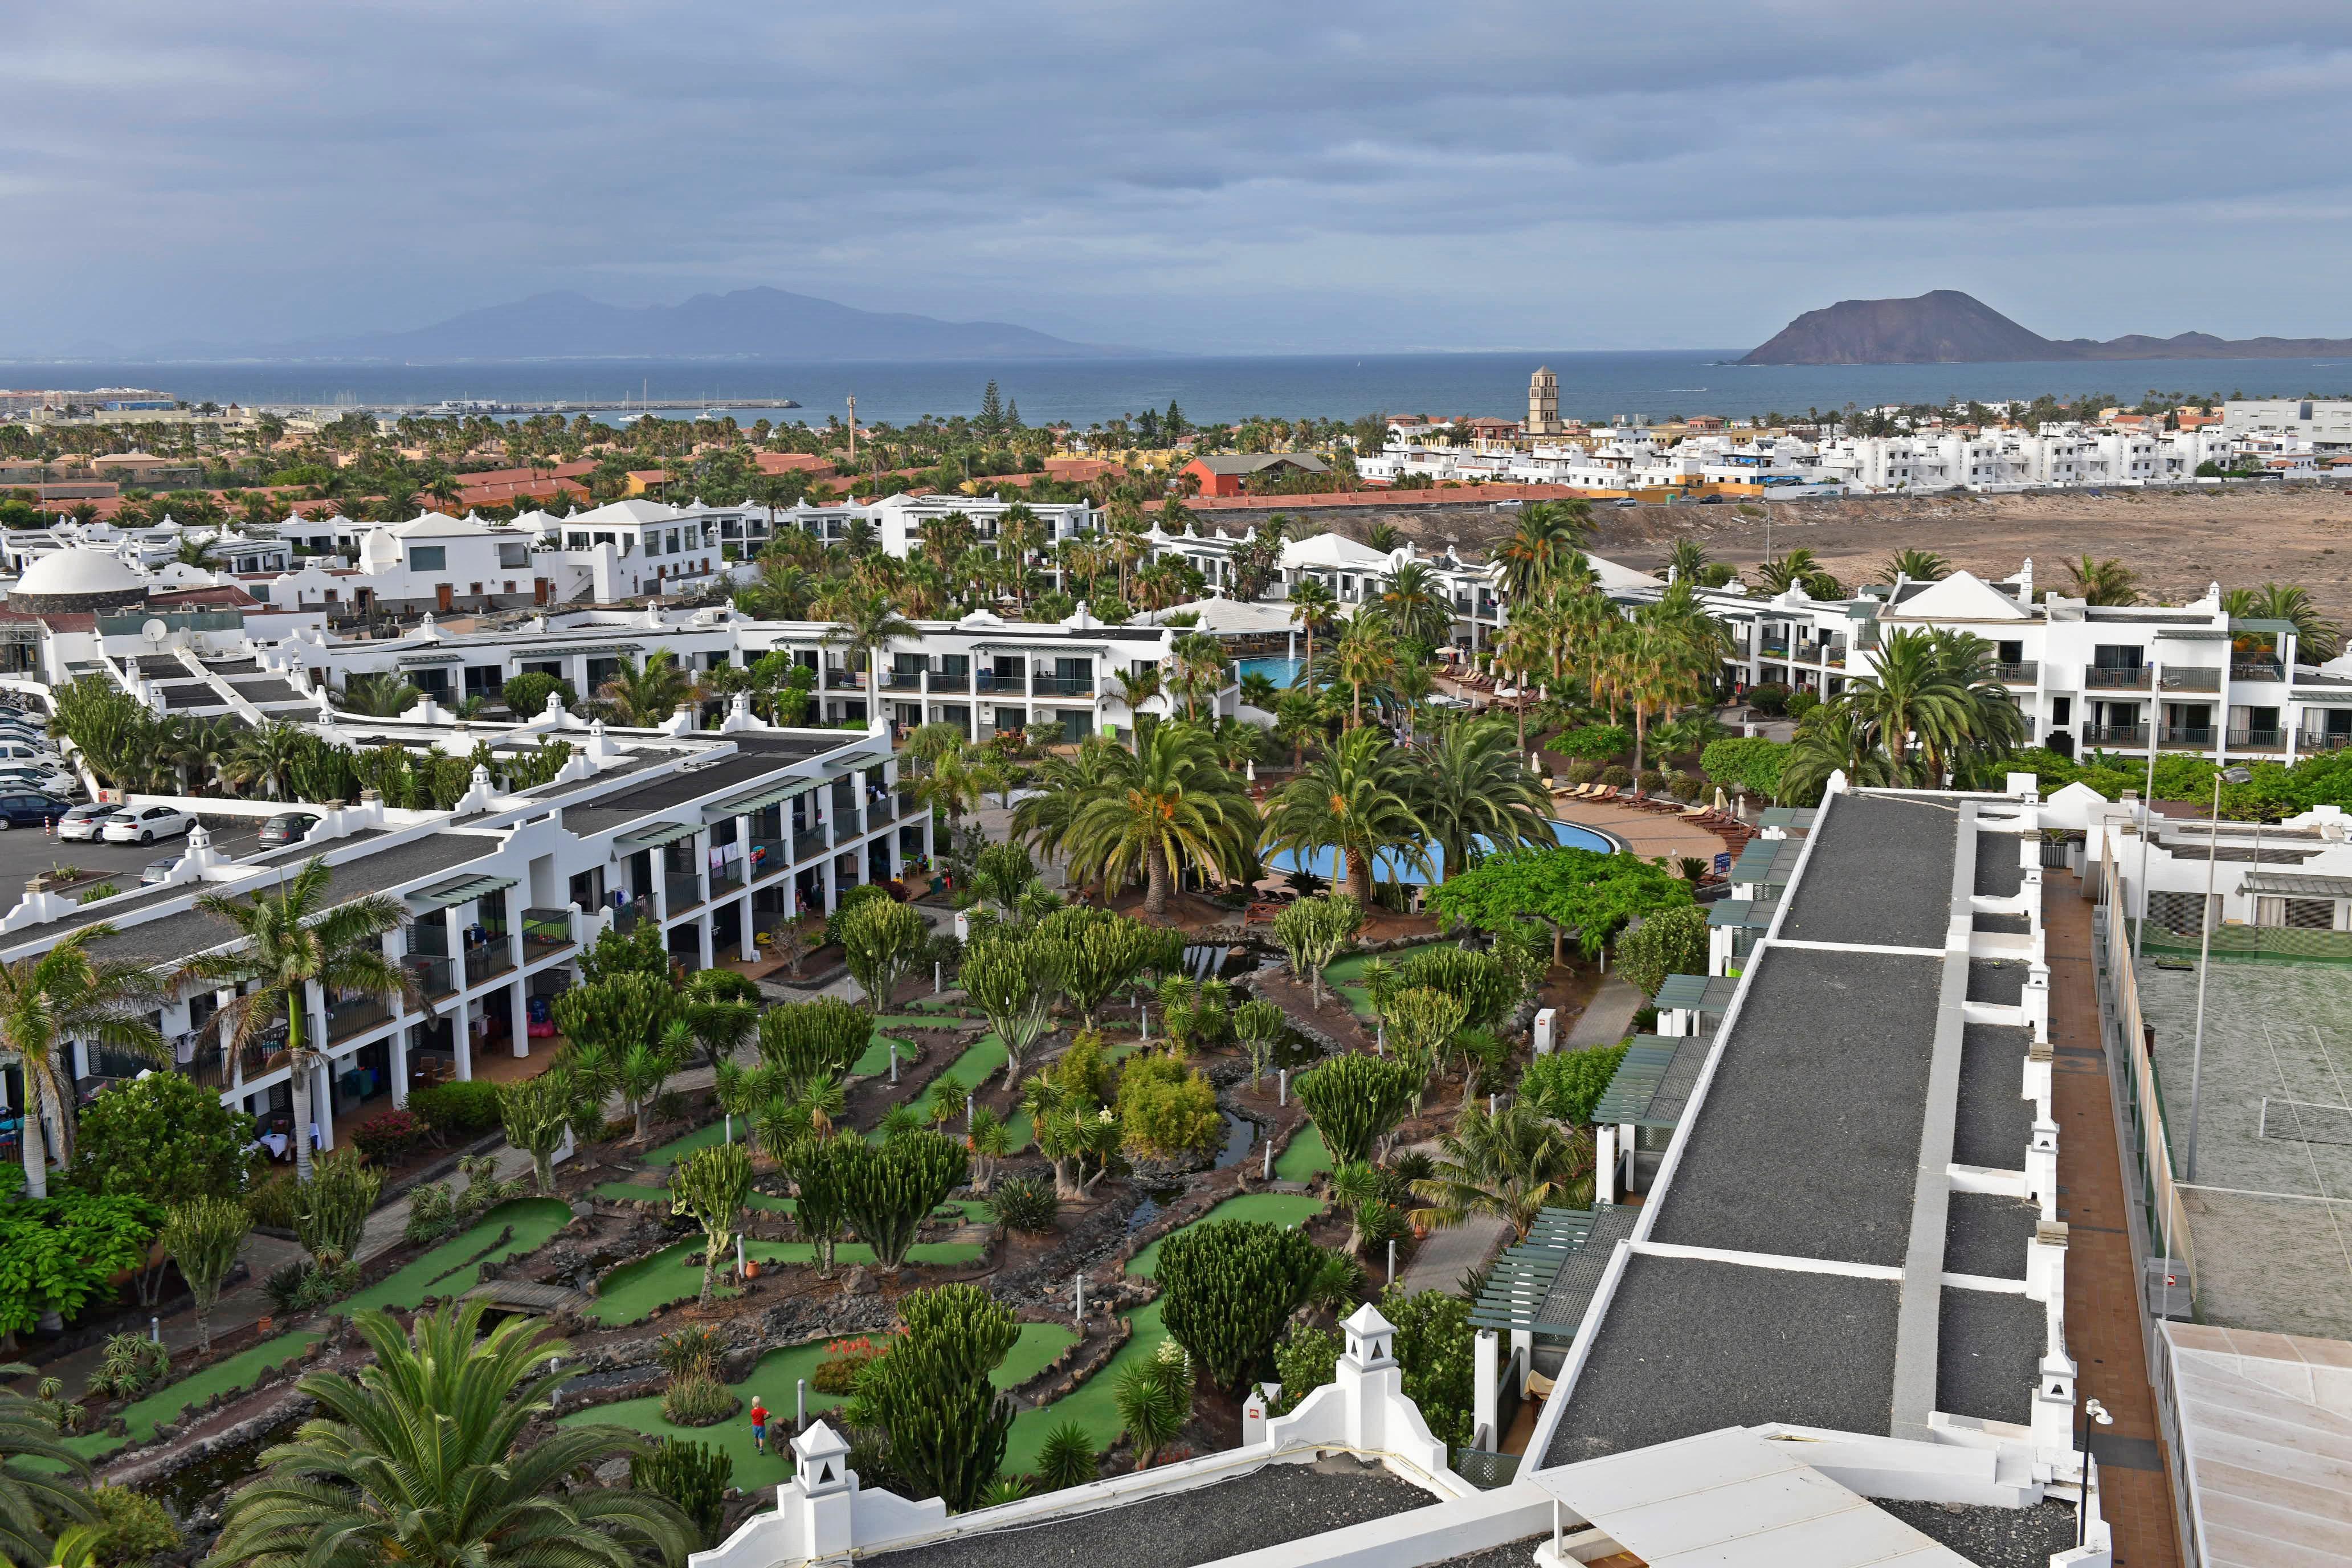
[2092, 1412]
[2204, 959]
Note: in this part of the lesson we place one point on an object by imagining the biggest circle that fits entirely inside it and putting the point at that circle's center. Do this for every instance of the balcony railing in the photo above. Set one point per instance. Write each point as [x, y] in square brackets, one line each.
[1065, 686]
[2256, 669]
[951, 680]
[2258, 740]
[434, 976]
[2025, 672]
[2114, 734]
[902, 680]
[2189, 734]
[2177, 680]
[486, 962]
[909, 802]
[544, 930]
[844, 680]
[2321, 741]
[1834, 654]
[2133, 678]
[347, 1018]
[1773, 649]
[683, 890]
[990, 680]
[769, 855]
[727, 878]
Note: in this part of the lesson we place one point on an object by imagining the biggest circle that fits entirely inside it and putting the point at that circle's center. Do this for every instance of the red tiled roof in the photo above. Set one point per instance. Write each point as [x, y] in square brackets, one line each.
[515, 475]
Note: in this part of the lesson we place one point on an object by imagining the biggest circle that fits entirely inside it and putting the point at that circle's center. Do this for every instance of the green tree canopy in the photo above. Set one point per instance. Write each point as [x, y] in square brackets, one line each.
[1671, 941]
[1587, 892]
[1227, 1288]
[162, 1138]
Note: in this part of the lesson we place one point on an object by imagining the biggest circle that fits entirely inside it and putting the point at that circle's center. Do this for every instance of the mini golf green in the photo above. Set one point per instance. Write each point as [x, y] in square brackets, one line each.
[775, 1382]
[631, 1292]
[973, 1068]
[876, 1059]
[677, 1149]
[1305, 1157]
[1274, 1208]
[637, 1191]
[238, 1370]
[454, 1268]
[1345, 976]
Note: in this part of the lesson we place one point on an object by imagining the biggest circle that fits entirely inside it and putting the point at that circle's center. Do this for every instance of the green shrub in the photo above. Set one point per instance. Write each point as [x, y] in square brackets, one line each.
[1227, 1288]
[687, 1351]
[389, 1137]
[693, 1476]
[132, 1528]
[1567, 1085]
[1164, 1109]
[1594, 742]
[1304, 1359]
[1582, 772]
[1770, 698]
[1753, 764]
[271, 1201]
[458, 1111]
[1025, 1203]
[697, 1399]
[1652, 781]
[1802, 703]
[1688, 786]
[95, 891]
[1067, 1457]
[845, 1359]
[132, 1363]
[1671, 941]
[1617, 775]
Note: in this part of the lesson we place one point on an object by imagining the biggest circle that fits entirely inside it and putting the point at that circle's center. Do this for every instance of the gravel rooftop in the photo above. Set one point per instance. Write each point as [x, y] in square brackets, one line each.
[1688, 1346]
[1994, 1120]
[1988, 1353]
[1808, 1141]
[1266, 1508]
[1881, 873]
[1991, 1536]
[1998, 876]
[2001, 981]
[1987, 1234]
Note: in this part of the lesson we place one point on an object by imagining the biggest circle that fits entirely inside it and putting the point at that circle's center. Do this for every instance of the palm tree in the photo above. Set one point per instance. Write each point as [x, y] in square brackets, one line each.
[1668, 655]
[266, 756]
[47, 1003]
[1060, 788]
[1166, 804]
[1355, 798]
[35, 1497]
[380, 696]
[646, 695]
[1918, 565]
[423, 1459]
[1990, 725]
[1790, 571]
[1200, 668]
[1416, 604]
[866, 622]
[1366, 656]
[1136, 688]
[1513, 1166]
[291, 943]
[2316, 636]
[197, 553]
[1470, 784]
[1311, 604]
[1686, 560]
[1832, 738]
[2104, 583]
[1546, 534]
[1910, 694]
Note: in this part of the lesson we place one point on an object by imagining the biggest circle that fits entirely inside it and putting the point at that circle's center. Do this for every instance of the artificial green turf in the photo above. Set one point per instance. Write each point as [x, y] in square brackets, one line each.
[876, 1059]
[1278, 1208]
[1093, 1405]
[1305, 1157]
[631, 1292]
[165, 1403]
[454, 1268]
[677, 1149]
[775, 1380]
[1345, 976]
[974, 1067]
[635, 1192]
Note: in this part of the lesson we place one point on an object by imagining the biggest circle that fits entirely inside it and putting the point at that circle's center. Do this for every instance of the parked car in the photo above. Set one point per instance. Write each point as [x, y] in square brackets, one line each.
[146, 823]
[155, 871]
[1627, 501]
[29, 810]
[288, 828]
[29, 751]
[45, 777]
[85, 822]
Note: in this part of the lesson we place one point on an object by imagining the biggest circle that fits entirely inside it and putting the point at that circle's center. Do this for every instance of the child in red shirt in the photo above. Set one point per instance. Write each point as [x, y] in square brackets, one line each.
[759, 1425]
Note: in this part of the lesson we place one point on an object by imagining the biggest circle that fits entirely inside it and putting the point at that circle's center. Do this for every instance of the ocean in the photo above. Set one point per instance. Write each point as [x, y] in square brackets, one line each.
[1592, 386]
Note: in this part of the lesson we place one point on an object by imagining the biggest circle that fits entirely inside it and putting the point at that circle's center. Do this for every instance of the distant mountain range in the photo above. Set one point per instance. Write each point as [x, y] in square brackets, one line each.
[1947, 327]
[749, 323]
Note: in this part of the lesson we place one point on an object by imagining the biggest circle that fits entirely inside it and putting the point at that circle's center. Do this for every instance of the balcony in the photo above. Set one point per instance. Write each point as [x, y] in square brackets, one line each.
[2308, 740]
[683, 890]
[486, 963]
[1773, 649]
[951, 680]
[435, 976]
[769, 855]
[902, 680]
[2114, 734]
[1834, 654]
[2198, 735]
[990, 680]
[2178, 680]
[545, 932]
[1065, 686]
[2256, 669]
[2258, 740]
[908, 803]
[355, 1015]
[2100, 678]
[727, 880]
[2025, 672]
[844, 680]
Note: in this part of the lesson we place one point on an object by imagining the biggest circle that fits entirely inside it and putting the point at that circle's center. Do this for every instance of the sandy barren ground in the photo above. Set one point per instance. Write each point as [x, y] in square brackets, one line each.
[2177, 541]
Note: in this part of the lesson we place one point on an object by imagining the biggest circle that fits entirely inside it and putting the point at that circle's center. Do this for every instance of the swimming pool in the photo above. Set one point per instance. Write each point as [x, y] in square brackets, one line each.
[1392, 868]
[1281, 671]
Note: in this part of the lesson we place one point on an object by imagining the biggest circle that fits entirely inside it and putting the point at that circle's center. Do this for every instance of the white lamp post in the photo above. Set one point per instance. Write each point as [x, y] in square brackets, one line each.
[2094, 1414]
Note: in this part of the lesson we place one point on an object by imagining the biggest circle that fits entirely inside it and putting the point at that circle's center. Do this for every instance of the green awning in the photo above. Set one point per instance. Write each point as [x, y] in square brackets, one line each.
[1772, 862]
[1740, 913]
[1543, 1286]
[1653, 1083]
[1699, 993]
[759, 799]
[463, 890]
[2192, 634]
[655, 837]
[1791, 818]
[2275, 628]
[411, 660]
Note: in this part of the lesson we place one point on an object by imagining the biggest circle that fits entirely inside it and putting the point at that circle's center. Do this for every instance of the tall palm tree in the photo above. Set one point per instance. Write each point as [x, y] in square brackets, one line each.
[47, 1003]
[1200, 668]
[1990, 725]
[1910, 694]
[1417, 604]
[291, 940]
[867, 622]
[1670, 655]
[1513, 1166]
[1833, 737]
[1311, 606]
[1061, 786]
[197, 553]
[1686, 560]
[422, 1459]
[36, 1498]
[1471, 784]
[2104, 583]
[1166, 805]
[1136, 688]
[265, 756]
[1918, 565]
[2316, 638]
[1788, 570]
[1544, 536]
[1357, 799]
[380, 696]
[1366, 655]
[646, 695]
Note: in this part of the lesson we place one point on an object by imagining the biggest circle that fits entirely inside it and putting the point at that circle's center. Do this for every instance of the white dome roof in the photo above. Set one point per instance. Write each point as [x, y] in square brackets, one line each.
[79, 571]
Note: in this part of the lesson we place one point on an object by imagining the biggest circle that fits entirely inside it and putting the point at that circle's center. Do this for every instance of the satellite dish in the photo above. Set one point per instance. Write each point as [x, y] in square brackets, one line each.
[156, 631]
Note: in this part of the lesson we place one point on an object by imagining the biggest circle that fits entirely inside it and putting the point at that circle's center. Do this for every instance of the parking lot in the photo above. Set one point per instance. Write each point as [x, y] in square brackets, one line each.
[25, 853]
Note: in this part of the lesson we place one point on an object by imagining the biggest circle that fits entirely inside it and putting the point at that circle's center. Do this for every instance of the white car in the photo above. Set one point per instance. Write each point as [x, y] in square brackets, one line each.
[85, 823]
[146, 823]
[28, 752]
[49, 778]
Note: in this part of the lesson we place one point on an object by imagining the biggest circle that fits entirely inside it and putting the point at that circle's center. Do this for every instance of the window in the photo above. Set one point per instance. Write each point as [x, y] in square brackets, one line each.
[2176, 911]
[428, 557]
[2061, 711]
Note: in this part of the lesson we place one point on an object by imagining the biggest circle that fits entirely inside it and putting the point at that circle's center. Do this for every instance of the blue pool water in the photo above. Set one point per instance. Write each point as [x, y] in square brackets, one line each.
[1281, 671]
[1390, 869]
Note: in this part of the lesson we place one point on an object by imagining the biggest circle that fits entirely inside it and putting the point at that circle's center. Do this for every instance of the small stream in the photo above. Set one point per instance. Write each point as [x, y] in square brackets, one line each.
[230, 1464]
[1241, 1135]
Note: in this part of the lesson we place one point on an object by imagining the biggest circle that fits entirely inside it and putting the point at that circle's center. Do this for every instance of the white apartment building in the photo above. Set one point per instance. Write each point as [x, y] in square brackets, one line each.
[2323, 425]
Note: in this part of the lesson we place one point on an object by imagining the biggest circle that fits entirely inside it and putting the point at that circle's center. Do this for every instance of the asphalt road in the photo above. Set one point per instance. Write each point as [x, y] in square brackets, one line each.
[24, 853]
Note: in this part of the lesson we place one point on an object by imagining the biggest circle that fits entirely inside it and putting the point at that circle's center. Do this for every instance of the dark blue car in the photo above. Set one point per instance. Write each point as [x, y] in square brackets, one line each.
[31, 810]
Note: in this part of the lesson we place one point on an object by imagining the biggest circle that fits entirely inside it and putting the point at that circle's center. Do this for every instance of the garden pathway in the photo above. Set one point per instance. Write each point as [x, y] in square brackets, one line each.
[1608, 1018]
[1440, 1262]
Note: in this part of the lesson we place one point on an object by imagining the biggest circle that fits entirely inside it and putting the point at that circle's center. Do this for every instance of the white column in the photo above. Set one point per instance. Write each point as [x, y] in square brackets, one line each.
[1485, 1402]
[702, 944]
[744, 928]
[520, 1017]
[831, 900]
[322, 1098]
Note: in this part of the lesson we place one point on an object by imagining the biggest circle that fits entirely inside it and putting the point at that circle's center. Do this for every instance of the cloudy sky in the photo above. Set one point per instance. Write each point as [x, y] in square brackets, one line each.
[1206, 177]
